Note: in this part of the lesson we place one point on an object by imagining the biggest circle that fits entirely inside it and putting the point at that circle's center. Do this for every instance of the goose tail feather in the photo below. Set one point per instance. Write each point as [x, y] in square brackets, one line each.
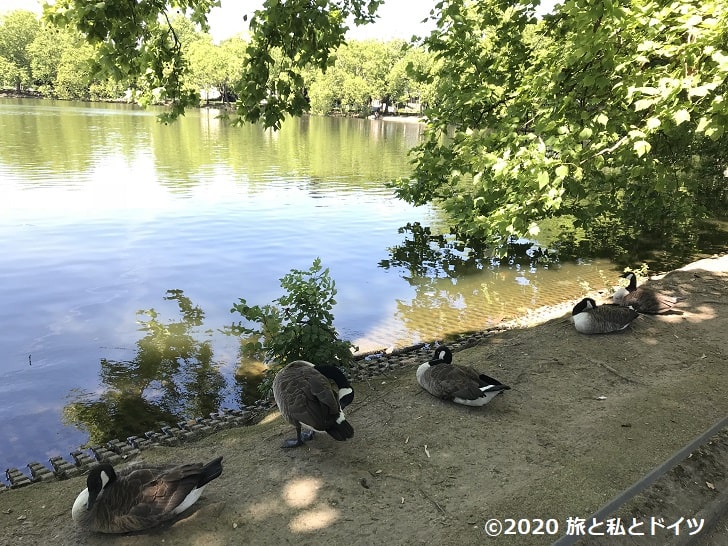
[341, 431]
[495, 388]
[210, 471]
[492, 382]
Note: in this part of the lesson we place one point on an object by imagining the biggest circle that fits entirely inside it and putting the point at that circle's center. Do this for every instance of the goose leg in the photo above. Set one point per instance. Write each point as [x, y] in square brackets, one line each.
[301, 437]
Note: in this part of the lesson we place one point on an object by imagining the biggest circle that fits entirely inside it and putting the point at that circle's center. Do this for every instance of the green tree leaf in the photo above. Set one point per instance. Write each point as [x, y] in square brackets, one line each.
[681, 116]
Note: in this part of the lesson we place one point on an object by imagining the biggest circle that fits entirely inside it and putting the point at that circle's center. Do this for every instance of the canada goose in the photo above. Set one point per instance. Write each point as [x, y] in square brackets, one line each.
[461, 384]
[642, 299]
[140, 496]
[313, 396]
[590, 319]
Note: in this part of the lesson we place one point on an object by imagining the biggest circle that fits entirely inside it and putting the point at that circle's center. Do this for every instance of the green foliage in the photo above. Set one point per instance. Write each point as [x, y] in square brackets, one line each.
[207, 66]
[366, 70]
[608, 113]
[186, 31]
[216, 66]
[73, 75]
[596, 112]
[296, 326]
[408, 77]
[18, 29]
[45, 53]
[136, 43]
[296, 57]
[56, 61]
[9, 73]
[307, 33]
[65, 65]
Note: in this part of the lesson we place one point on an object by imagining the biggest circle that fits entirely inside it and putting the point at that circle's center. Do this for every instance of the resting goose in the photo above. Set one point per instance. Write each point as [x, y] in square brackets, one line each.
[642, 299]
[590, 319]
[461, 384]
[313, 396]
[140, 496]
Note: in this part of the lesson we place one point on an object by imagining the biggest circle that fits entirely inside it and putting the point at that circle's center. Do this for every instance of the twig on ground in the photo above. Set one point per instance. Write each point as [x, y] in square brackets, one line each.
[422, 492]
[615, 372]
[366, 401]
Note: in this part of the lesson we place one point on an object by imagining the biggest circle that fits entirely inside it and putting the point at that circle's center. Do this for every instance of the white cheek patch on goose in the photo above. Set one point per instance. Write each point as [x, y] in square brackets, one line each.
[341, 418]
[346, 397]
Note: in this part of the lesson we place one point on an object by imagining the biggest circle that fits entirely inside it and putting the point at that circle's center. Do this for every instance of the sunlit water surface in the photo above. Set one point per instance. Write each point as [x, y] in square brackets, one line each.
[103, 210]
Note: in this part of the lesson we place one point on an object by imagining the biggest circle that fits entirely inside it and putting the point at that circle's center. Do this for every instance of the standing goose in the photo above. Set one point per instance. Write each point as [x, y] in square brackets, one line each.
[140, 496]
[642, 299]
[590, 319]
[313, 396]
[461, 384]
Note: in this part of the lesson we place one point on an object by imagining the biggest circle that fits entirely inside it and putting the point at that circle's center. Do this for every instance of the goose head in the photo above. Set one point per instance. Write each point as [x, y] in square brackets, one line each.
[345, 391]
[98, 478]
[631, 279]
[443, 355]
[584, 305]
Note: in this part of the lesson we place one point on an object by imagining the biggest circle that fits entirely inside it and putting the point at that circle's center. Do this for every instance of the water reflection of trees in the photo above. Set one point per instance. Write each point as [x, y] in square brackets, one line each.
[172, 376]
[460, 288]
[425, 254]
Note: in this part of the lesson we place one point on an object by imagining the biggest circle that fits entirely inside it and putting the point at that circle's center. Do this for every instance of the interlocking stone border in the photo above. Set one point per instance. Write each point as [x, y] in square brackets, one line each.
[117, 451]
[365, 366]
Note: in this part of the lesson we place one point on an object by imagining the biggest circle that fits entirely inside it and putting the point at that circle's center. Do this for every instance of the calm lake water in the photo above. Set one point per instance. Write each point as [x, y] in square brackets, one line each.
[103, 211]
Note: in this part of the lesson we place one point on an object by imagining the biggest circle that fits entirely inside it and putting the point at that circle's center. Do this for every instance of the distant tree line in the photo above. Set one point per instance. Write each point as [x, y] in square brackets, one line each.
[604, 122]
[58, 62]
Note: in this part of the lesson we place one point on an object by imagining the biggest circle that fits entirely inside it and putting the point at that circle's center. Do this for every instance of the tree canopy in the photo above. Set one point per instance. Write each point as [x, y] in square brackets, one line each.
[611, 113]
[59, 63]
[136, 42]
[19, 30]
[608, 113]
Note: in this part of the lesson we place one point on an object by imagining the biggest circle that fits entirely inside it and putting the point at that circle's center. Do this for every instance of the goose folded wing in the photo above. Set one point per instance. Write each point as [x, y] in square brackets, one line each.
[469, 392]
[317, 403]
[160, 493]
[140, 504]
[456, 381]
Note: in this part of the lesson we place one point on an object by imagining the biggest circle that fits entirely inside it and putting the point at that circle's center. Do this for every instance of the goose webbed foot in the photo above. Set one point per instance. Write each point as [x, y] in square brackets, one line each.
[302, 437]
[291, 442]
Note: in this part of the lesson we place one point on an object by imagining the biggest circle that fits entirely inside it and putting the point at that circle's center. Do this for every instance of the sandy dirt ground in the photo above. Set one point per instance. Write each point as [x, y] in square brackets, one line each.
[586, 417]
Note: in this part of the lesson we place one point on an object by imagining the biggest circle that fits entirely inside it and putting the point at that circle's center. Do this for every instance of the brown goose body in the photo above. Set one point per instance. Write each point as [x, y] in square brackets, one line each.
[643, 299]
[604, 319]
[140, 496]
[314, 396]
[460, 384]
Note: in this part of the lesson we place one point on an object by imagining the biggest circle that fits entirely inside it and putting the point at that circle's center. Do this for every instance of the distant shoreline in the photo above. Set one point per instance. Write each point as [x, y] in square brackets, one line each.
[11, 94]
[400, 119]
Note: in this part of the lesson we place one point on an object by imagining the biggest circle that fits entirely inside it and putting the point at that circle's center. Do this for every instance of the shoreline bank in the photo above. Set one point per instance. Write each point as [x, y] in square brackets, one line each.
[587, 417]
